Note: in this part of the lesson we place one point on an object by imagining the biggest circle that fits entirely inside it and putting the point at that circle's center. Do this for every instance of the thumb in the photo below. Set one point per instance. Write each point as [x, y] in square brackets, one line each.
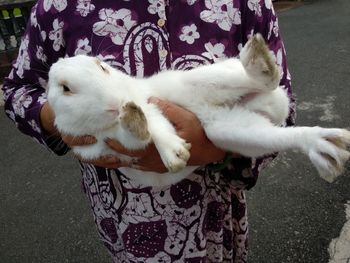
[169, 109]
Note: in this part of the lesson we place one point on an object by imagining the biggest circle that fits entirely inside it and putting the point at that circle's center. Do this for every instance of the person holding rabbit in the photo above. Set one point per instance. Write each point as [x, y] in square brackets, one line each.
[201, 218]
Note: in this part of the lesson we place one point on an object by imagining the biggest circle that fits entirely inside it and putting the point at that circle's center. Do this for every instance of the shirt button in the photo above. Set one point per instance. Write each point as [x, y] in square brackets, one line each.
[161, 22]
[163, 53]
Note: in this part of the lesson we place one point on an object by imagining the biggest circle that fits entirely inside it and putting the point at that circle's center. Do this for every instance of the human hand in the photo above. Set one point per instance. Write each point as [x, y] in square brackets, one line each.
[147, 159]
[188, 127]
[108, 161]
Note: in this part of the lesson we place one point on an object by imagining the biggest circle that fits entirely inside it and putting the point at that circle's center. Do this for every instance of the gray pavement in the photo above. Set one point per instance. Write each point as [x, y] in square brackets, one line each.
[293, 213]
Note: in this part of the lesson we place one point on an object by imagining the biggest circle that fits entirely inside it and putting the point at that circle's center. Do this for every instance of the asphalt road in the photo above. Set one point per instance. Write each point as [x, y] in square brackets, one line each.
[293, 213]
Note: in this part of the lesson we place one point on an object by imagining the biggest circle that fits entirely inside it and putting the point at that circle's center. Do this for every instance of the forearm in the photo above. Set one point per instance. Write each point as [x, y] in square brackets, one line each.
[23, 105]
[47, 119]
[199, 157]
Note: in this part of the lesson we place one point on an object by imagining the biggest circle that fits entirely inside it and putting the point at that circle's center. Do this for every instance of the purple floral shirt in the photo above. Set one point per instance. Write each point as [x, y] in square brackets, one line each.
[200, 219]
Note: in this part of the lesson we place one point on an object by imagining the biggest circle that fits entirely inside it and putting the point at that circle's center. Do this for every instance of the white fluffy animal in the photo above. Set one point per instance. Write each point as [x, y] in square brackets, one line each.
[90, 97]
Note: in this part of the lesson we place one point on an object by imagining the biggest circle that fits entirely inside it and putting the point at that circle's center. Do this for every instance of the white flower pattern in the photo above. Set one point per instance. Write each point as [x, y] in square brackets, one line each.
[43, 35]
[40, 54]
[59, 5]
[11, 76]
[273, 29]
[191, 2]
[57, 35]
[157, 7]
[214, 52]
[83, 47]
[189, 34]
[222, 13]
[85, 7]
[23, 60]
[43, 97]
[33, 20]
[21, 101]
[255, 6]
[115, 24]
[268, 4]
[279, 60]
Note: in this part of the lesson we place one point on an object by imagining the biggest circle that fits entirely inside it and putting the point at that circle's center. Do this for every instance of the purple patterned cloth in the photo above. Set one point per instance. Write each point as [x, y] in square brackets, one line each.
[200, 219]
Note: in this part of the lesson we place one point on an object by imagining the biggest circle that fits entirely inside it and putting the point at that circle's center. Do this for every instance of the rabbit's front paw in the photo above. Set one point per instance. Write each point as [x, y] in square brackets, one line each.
[174, 153]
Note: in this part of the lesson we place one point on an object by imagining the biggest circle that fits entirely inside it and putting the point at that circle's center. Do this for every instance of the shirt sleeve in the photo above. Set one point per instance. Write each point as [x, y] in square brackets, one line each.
[260, 17]
[23, 89]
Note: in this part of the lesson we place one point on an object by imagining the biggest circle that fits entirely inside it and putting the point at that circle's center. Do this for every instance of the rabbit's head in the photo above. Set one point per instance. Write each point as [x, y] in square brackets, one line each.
[86, 94]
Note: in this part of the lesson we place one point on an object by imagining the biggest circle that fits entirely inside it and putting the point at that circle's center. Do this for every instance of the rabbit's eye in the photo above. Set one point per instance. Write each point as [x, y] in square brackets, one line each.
[65, 88]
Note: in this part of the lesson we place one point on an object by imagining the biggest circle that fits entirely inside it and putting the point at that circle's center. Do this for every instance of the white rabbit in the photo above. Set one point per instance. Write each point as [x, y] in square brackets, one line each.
[90, 97]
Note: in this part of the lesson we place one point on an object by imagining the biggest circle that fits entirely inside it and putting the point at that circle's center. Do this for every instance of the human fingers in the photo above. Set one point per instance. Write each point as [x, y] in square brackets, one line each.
[144, 160]
[119, 148]
[167, 107]
[112, 162]
[109, 161]
[174, 113]
[72, 141]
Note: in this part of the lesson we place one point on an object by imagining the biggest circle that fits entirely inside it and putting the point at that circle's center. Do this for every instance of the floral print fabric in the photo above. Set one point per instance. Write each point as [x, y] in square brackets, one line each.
[200, 219]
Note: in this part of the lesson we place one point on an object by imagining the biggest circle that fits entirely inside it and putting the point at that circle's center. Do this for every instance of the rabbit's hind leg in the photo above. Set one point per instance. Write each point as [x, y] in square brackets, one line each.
[259, 63]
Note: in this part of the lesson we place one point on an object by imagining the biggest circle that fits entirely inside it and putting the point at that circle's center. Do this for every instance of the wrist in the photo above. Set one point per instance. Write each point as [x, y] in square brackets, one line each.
[205, 155]
[218, 155]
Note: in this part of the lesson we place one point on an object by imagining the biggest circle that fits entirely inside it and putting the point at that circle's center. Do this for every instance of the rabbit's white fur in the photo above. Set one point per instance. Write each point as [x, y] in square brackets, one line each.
[107, 103]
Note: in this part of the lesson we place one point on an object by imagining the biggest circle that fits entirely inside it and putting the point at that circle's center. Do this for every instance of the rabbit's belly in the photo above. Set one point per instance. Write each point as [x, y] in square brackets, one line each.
[97, 150]
[93, 151]
[157, 179]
